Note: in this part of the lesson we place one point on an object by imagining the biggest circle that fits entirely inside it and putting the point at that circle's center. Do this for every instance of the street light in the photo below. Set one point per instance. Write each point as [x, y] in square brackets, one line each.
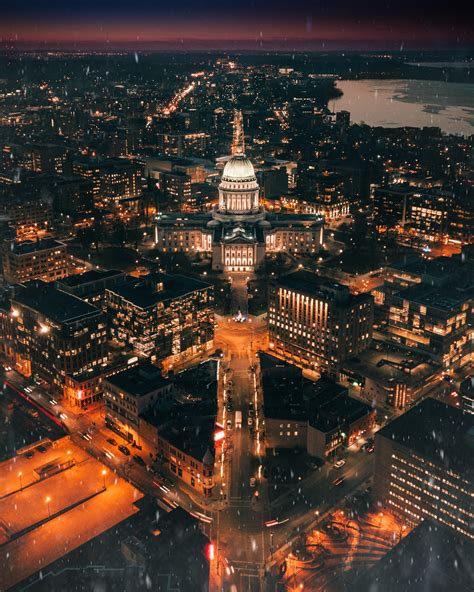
[48, 499]
[19, 477]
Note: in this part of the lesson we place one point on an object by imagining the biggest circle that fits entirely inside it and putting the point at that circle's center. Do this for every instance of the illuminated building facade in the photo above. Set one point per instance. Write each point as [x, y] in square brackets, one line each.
[25, 214]
[187, 447]
[424, 469]
[183, 144]
[44, 259]
[317, 323]
[238, 232]
[53, 334]
[130, 393]
[434, 320]
[162, 317]
[113, 179]
[326, 195]
[316, 416]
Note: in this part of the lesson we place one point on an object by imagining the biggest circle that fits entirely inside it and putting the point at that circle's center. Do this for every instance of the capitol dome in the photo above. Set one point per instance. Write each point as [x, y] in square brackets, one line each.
[239, 168]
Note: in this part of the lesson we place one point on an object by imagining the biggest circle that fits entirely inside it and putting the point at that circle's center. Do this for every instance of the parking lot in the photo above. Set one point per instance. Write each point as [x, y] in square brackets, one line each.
[51, 503]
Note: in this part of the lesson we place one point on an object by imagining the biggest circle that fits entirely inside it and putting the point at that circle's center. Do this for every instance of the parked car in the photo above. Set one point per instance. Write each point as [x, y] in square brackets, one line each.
[112, 441]
[339, 463]
[253, 482]
[338, 482]
[124, 450]
[139, 460]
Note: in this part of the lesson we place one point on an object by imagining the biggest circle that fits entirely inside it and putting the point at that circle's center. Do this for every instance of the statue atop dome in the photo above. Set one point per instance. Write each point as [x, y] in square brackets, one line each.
[238, 139]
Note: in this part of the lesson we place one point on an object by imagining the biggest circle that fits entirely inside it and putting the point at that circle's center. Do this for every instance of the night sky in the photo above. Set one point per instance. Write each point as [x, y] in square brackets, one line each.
[337, 22]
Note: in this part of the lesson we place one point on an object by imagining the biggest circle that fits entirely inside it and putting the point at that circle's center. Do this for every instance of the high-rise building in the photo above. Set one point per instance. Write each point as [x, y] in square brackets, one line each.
[435, 321]
[424, 468]
[52, 334]
[163, 317]
[45, 259]
[113, 179]
[176, 187]
[326, 194]
[316, 322]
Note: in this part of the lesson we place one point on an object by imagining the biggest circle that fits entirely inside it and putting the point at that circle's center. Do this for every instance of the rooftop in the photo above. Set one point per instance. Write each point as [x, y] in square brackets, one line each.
[192, 434]
[315, 285]
[431, 557]
[157, 287]
[25, 247]
[387, 363]
[88, 277]
[139, 380]
[438, 432]
[287, 394]
[446, 298]
[53, 303]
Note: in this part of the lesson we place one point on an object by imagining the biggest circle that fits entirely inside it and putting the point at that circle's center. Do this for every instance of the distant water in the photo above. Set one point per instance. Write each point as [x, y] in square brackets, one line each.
[417, 103]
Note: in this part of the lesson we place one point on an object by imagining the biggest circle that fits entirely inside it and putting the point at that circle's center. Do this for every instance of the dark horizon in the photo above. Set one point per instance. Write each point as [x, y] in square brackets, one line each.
[276, 45]
[248, 24]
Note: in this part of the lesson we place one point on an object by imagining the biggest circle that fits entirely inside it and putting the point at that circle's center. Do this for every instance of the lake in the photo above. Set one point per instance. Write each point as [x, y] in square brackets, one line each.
[417, 103]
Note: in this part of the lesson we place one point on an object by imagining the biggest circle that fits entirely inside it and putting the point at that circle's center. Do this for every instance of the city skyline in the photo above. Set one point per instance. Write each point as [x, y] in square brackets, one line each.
[236, 302]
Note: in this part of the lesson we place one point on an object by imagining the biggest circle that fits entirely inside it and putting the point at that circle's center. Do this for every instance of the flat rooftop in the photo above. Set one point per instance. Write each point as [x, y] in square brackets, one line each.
[193, 434]
[389, 364]
[312, 284]
[444, 298]
[53, 303]
[139, 380]
[438, 432]
[287, 394]
[88, 277]
[29, 246]
[47, 518]
[157, 287]
[431, 558]
[101, 563]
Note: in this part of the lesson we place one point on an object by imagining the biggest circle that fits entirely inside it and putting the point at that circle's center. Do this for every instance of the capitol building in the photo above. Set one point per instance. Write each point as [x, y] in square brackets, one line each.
[238, 233]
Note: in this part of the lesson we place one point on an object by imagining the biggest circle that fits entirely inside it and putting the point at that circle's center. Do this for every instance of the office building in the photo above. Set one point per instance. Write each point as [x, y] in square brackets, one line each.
[163, 317]
[25, 213]
[130, 393]
[324, 194]
[317, 323]
[91, 285]
[316, 416]
[45, 259]
[113, 179]
[53, 334]
[384, 375]
[435, 321]
[176, 188]
[424, 466]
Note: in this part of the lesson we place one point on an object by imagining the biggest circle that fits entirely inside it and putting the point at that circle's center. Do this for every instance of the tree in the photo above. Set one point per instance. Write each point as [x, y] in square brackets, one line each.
[359, 229]
[118, 235]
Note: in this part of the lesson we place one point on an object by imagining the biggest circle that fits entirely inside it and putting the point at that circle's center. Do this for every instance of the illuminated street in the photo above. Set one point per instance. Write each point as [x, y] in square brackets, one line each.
[236, 297]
